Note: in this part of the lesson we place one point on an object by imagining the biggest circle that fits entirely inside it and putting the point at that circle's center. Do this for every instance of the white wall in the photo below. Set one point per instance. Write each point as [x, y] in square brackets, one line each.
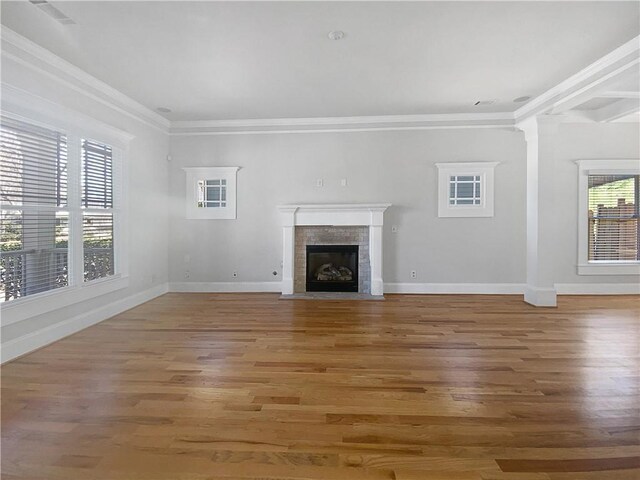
[147, 236]
[582, 141]
[385, 166]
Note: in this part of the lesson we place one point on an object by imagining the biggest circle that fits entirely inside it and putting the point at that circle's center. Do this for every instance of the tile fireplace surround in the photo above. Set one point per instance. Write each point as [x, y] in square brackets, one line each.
[328, 215]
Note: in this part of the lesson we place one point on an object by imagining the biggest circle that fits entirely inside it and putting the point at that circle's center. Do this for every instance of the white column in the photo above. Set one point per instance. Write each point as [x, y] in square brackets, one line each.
[540, 137]
[375, 253]
[288, 249]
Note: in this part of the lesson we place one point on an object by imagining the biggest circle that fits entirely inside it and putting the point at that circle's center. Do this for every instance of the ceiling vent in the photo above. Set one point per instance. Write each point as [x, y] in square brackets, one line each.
[482, 103]
[52, 11]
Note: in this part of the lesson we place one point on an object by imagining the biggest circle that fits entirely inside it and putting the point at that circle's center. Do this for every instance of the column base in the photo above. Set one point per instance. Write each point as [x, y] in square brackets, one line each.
[287, 286]
[377, 287]
[541, 297]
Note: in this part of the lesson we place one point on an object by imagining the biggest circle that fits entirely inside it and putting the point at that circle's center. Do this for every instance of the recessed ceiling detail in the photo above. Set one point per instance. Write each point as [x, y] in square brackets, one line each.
[272, 60]
[53, 12]
[336, 35]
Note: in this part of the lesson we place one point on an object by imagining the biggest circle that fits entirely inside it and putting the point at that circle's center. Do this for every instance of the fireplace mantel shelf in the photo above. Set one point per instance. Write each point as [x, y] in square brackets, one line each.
[338, 214]
[333, 214]
[336, 206]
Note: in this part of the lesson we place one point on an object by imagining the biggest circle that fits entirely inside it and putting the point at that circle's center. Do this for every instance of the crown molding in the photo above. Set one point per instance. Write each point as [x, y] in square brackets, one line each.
[343, 124]
[594, 80]
[29, 107]
[587, 83]
[17, 48]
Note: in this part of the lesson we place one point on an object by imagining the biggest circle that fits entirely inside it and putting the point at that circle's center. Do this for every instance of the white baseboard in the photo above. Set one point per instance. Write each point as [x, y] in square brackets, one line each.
[598, 288]
[34, 340]
[456, 288]
[221, 287]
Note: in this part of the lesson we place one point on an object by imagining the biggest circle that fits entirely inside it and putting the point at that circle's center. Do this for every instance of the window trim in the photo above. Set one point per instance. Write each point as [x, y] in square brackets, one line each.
[193, 175]
[600, 167]
[44, 113]
[485, 170]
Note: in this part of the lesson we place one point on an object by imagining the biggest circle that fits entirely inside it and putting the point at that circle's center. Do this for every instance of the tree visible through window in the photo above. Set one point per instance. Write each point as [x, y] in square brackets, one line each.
[614, 231]
[35, 221]
[38, 210]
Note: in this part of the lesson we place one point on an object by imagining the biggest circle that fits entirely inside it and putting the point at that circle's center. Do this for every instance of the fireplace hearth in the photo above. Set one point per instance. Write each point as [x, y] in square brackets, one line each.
[332, 268]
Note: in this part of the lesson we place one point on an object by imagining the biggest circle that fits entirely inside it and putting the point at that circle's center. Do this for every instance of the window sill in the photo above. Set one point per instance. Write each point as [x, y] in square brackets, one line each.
[621, 268]
[17, 310]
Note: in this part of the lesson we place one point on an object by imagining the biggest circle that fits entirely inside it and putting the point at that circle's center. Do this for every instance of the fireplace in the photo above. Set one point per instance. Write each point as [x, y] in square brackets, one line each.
[332, 268]
[332, 224]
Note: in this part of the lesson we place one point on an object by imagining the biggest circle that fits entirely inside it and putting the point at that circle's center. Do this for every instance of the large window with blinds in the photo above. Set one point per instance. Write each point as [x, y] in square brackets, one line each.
[608, 217]
[614, 230]
[58, 215]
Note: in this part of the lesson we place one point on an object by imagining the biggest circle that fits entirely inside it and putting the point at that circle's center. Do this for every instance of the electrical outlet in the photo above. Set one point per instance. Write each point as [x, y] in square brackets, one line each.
[394, 229]
[187, 274]
[414, 274]
[235, 274]
[343, 182]
[319, 182]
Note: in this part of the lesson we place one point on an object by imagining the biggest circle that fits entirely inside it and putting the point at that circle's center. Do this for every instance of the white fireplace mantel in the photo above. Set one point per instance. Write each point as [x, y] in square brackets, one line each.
[351, 214]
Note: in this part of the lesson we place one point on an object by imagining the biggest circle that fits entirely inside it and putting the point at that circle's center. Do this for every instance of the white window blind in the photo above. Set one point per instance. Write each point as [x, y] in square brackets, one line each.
[614, 232]
[34, 237]
[97, 175]
[44, 223]
[97, 200]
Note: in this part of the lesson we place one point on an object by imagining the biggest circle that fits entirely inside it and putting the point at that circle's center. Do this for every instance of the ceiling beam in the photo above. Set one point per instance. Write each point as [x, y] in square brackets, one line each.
[616, 94]
[617, 110]
[598, 77]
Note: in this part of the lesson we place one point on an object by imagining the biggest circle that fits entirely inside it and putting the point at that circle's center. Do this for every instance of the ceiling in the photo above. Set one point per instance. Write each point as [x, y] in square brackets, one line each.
[245, 60]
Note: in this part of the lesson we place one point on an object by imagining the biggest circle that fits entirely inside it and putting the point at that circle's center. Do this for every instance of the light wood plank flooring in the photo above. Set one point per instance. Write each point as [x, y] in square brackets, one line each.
[248, 386]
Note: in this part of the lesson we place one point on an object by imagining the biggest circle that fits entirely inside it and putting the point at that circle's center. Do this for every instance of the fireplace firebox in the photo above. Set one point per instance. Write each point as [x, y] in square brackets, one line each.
[332, 268]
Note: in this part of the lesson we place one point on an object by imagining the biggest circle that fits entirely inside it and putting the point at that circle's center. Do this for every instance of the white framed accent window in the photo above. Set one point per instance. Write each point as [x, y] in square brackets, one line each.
[62, 232]
[211, 193]
[608, 219]
[466, 189]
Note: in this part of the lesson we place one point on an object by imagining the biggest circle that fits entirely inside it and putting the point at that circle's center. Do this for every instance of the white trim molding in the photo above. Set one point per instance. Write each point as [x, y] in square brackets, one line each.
[23, 51]
[45, 336]
[598, 288]
[351, 214]
[600, 167]
[456, 288]
[225, 287]
[343, 124]
[52, 300]
[587, 83]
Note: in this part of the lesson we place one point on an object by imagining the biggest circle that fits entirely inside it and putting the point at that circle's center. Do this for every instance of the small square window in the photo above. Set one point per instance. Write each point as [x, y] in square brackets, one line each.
[465, 189]
[214, 192]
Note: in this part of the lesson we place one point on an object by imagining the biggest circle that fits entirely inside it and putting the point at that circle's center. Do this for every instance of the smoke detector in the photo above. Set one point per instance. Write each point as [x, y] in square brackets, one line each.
[336, 35]
[53, 12]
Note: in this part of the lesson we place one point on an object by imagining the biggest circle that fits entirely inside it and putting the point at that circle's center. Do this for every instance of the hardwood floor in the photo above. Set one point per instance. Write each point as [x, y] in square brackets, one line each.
[247, 386]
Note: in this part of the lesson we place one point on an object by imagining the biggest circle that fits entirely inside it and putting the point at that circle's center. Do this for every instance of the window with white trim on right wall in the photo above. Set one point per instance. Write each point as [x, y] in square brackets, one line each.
[466, 189]
[608, 220]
